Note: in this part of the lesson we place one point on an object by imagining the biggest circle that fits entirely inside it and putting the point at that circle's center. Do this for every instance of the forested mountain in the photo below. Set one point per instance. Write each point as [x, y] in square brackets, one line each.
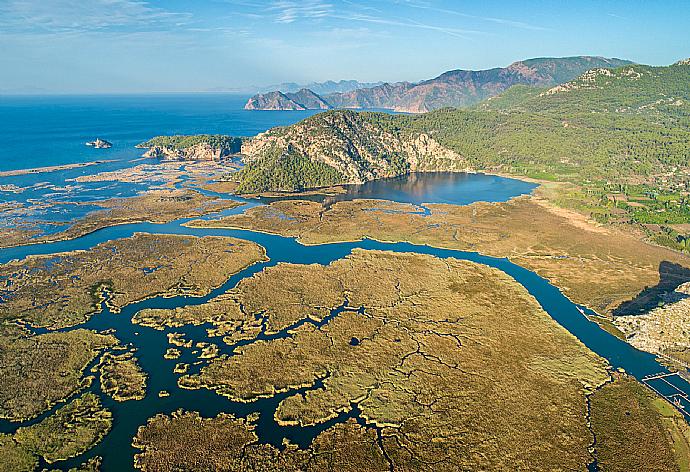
[338, 147]
[460, 88]
[621, 137]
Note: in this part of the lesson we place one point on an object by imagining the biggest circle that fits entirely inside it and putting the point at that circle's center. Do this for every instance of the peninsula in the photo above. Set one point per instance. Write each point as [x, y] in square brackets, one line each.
[197, 148]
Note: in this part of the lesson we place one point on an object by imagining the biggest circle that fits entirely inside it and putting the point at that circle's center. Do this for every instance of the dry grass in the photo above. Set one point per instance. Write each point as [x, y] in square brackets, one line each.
[457, 364]
[186, 441]
[595, 267]
[71, 430]
[64, 289]
[36, 372]
[13, 457]
[157, 206]
[637, 430]
[121, 377]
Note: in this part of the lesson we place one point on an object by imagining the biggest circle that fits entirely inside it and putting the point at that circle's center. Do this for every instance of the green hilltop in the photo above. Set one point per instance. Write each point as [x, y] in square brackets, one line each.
[620, 137]
[215, 141]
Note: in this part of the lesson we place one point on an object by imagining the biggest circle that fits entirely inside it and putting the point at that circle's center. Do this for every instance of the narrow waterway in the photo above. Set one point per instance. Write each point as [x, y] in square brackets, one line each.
[150, 344]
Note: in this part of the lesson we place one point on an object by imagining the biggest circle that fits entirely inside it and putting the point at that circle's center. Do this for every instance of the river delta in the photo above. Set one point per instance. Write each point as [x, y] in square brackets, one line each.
[430, 323]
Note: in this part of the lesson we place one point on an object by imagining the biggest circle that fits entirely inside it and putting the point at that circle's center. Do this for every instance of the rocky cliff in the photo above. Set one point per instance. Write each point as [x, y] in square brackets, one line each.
[309, 100]
[99, 143]
[272, 101]
[358, 147]
[196, 147]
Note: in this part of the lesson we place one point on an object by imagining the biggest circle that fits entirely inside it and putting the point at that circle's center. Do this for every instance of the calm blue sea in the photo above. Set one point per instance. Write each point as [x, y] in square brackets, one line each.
[45, 131]
[48, 131]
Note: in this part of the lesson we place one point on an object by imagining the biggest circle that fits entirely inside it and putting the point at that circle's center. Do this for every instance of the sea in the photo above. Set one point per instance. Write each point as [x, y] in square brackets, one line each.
[49, 131]
[39, 131]
[45, 131]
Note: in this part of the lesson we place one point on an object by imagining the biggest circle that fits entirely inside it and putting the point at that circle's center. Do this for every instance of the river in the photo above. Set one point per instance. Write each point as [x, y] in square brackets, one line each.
[150, 344]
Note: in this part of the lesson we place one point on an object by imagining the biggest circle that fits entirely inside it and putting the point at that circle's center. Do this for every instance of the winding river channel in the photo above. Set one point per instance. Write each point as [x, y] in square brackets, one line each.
[116, 449]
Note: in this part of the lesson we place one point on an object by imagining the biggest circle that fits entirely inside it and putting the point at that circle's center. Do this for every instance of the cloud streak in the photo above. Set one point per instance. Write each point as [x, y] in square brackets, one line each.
[288, 11]
[403, 23]
[61, 16]
[501, 21]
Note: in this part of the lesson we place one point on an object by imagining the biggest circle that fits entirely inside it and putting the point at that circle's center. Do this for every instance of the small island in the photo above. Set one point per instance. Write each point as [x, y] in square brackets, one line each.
[99, 143]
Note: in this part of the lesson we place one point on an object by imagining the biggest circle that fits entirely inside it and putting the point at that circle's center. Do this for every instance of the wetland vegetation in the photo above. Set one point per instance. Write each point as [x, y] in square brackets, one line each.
[433, 337]
[38, 371]
[65, 289]
[333, 357]
[597, 266]
[156, 206]
[71, 430]
[121, 376]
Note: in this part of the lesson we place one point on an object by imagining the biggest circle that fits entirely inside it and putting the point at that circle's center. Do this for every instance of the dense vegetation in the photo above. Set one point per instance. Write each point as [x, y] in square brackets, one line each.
[215, 141]
[286, 172]
[620, 137]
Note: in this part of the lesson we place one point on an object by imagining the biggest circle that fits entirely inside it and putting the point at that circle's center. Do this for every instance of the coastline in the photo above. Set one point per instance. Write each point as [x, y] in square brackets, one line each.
[41, 170]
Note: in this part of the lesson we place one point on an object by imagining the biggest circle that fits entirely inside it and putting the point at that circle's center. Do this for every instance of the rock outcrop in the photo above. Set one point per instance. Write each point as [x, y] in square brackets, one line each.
[99, 143]
[357, 148]
[193, 148]
[663, 329]
[272, 101]
[303, 99]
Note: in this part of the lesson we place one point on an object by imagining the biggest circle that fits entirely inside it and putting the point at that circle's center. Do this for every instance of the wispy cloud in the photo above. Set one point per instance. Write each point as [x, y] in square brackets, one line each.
[291, 11]
[61, 16]
[288, 11]
[615, 15]
[408, 23]
[424, 5]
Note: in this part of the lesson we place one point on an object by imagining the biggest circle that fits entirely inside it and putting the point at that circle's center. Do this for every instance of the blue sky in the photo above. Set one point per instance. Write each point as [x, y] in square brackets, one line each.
[102, 46]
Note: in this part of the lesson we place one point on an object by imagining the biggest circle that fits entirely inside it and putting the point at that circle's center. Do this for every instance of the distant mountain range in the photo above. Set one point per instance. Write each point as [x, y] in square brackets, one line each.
[456, 88]
[606, 125]
[321, 88]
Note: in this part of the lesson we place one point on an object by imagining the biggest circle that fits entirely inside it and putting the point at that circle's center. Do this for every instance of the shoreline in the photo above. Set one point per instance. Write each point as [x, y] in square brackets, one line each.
[46, 169]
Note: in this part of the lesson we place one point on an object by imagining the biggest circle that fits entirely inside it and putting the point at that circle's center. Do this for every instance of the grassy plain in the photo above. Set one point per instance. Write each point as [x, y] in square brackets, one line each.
[186, 441]
[64, 289]
[156, 206]
[13, 457]
[452, 365]
[224, 313]
[38, 371]
[637, 430]
[597, 266]
[121, 377]
[71, 430]
[457, 365]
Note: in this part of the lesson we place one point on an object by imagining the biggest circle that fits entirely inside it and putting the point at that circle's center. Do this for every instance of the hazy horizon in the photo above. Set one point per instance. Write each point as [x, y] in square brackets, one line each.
[67, 47]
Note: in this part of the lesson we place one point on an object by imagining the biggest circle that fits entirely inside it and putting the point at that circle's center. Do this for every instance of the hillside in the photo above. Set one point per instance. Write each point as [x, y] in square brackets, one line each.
[272, 101]
[461, 88]
[633, 89]
[195, 147]
[620, 139]
[382, 96]
[338, 147]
